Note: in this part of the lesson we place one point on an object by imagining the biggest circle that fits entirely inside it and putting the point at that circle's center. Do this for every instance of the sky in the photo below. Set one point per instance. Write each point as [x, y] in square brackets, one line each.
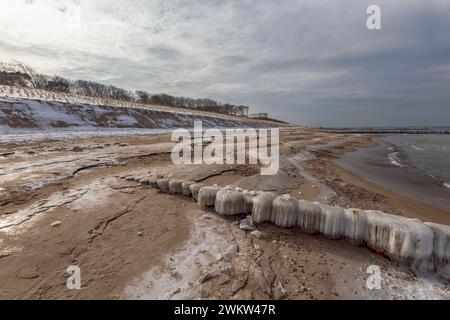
[308, 62]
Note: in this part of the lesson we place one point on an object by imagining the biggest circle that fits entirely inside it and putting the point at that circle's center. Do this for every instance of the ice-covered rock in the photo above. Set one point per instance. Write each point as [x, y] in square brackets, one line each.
[195, 189]
[207, 196]
[163, 185]
[285, 211]
[262, 206]
[247, 224]
[398, 237]
[176, 186]
[441, 249]
[185, 188]
[332, 221]
[153, 183]
[355, 226]
[309, 217]
[230, 202]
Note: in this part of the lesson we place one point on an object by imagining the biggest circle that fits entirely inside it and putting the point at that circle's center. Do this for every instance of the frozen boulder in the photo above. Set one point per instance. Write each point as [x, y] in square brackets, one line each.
[176, 186]
[163, 185]
[247, 224]
[398, 237]
[230, 202]
[332, 221]
[285, 211]
[309, 217]
[207, 196]
[195, 189]
[262, 206]
[355, 226]
[441, 249]
[186, 191]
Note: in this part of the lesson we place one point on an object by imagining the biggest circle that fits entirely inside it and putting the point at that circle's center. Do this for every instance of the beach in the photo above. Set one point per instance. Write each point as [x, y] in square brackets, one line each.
[134, 242]
[377, 168]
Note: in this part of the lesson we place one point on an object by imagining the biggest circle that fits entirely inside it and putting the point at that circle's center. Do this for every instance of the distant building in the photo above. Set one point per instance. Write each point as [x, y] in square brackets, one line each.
[261, 115]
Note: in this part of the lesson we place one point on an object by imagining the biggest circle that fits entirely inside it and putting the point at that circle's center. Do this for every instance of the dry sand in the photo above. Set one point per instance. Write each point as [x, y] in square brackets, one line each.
[134, 242]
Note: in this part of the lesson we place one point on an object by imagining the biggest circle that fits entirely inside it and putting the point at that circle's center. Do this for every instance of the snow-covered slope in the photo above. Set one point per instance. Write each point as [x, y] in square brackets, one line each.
[18, 113]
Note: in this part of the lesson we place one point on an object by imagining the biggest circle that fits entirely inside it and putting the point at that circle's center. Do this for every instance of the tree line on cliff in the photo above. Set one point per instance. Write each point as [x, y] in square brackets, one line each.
[20, 75]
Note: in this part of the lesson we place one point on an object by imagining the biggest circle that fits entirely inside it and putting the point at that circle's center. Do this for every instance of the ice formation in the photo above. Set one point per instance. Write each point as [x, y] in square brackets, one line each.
[195, 189]
[398, 237]
[186, 188]
[163, 185]
[248, 195]
[285, 211]
[332, 221]
[153, 183]
[309, 217]
[247, 224]
[262, 207]
[176, 186]
[355, 226]
[422, 245]
[230, 202]
[207, 196]
[441, 248]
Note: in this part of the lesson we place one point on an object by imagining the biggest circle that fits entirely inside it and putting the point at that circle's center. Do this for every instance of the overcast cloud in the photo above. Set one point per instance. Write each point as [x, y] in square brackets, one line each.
[307, 61]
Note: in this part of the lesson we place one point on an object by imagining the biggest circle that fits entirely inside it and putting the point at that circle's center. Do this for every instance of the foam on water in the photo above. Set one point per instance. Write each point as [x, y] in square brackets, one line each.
[393, 157]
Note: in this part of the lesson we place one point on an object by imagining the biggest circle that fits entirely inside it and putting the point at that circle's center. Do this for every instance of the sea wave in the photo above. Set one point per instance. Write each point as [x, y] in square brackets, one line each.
[447, 185]
[394, 158]
[416, 147]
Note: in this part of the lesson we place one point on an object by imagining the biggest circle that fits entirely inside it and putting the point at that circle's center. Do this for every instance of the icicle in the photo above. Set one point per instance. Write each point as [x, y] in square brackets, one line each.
[441, 249]
[229, 202]
[332, 222]
[195, 188]
[355, 226]
[262, 206]
[248, 201]
[186, 191]
[176, 186]
[163, 185]
[207, 196]
[398, 237]
[310, 216]
[285, 211]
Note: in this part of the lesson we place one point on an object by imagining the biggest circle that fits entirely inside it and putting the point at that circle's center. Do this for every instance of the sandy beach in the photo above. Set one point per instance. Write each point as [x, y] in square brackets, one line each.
[134, 242]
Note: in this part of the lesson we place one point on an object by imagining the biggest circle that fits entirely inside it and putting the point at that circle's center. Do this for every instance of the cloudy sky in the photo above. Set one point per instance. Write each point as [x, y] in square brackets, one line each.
[306, 61]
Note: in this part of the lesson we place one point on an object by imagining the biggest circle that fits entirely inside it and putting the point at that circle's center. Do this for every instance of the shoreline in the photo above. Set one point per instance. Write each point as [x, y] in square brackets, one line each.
[132, 241]
[408, 206]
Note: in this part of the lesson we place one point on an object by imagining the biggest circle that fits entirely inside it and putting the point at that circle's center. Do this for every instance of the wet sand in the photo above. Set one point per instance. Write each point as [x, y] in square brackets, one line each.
[416, 195]
[373, 165]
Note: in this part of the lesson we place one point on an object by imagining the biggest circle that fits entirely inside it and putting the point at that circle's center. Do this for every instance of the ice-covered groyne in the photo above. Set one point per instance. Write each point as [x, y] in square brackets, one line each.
[425, 246]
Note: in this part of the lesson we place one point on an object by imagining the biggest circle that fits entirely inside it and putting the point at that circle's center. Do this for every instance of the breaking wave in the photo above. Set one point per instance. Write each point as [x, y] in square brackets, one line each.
[416, 147]
[394, 158]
